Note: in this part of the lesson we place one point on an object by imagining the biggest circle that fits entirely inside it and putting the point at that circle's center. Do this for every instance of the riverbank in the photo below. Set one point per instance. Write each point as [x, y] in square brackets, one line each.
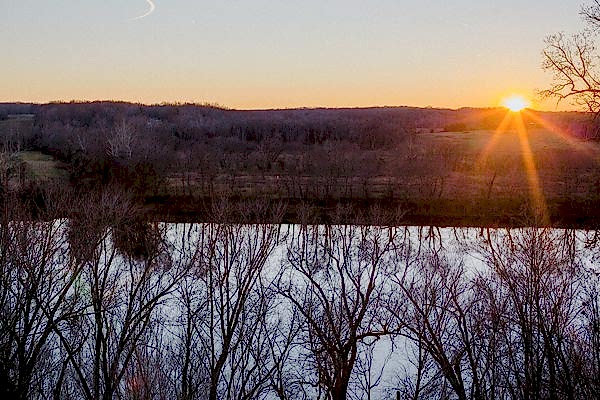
[582, 214]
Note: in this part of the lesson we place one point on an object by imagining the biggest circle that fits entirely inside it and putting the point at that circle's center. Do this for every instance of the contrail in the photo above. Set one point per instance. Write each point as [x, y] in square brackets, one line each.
[150, 11]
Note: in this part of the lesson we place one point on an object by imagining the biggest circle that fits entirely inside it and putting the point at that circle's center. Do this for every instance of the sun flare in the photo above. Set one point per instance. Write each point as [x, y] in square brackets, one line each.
[515, 103]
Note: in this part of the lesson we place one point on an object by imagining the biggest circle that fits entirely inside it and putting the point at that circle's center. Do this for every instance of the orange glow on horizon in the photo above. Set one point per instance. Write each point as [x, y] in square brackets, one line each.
[515, 103]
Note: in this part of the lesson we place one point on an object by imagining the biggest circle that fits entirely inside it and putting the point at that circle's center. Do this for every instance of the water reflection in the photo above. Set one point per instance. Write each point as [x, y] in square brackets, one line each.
[301, 311]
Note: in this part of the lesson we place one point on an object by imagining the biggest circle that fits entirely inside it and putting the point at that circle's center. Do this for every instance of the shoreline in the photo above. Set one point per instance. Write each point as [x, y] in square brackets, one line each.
[437, 212]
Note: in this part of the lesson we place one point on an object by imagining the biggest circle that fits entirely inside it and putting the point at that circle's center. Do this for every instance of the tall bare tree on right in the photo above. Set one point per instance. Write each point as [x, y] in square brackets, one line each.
[572, 61]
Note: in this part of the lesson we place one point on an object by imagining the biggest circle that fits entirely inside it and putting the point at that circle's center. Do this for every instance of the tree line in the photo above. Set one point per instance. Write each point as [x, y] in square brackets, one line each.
[194, 150]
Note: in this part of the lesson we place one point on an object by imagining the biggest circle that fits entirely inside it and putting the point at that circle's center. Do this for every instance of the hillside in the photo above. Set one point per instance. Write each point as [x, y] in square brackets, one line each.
[433, 166]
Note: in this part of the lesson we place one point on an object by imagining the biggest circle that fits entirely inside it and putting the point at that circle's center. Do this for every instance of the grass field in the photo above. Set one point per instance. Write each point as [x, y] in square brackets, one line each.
[563, 166]
[43, 167]
[454, 165]
[478, 174]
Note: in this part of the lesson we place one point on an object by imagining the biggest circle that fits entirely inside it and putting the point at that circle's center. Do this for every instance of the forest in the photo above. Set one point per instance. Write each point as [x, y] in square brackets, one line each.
[176, 159]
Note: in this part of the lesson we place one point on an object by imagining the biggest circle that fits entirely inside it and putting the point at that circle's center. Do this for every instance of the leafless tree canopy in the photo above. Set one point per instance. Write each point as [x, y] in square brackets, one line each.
[107, 305]
[572, 59]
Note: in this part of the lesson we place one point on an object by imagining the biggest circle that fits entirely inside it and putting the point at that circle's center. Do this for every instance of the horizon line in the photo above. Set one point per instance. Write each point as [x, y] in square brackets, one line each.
[320, 107]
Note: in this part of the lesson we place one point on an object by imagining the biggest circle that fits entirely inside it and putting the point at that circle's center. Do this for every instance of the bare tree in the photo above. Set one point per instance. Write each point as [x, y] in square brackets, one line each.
[35, 293]
[235, 264]
[572, 61]
[227, 345]
[586, 358]
[434, 305]
[37, 280]
[336, 280]
[121, 295]
[120, 145]
[534, 292]
[509, 328]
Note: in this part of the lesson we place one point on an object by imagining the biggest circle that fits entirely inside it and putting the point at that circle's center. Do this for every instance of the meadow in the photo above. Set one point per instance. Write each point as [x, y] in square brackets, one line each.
[452, 178]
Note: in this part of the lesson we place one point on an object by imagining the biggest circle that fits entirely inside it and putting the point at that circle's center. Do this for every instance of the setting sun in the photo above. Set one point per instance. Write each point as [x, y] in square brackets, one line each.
[515, 103]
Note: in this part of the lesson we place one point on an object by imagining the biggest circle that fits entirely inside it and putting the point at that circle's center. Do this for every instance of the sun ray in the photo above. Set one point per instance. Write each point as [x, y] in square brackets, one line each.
[540, 207]
[557, 131]
[502, 128]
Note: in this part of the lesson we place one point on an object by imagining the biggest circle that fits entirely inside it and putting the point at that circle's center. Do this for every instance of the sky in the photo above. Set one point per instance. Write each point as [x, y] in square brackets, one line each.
[280, 54]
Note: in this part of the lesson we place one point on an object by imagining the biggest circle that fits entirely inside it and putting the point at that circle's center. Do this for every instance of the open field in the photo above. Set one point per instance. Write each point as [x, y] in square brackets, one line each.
[464, 164]
[482, 176]
[43, 167]
[507, 164]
